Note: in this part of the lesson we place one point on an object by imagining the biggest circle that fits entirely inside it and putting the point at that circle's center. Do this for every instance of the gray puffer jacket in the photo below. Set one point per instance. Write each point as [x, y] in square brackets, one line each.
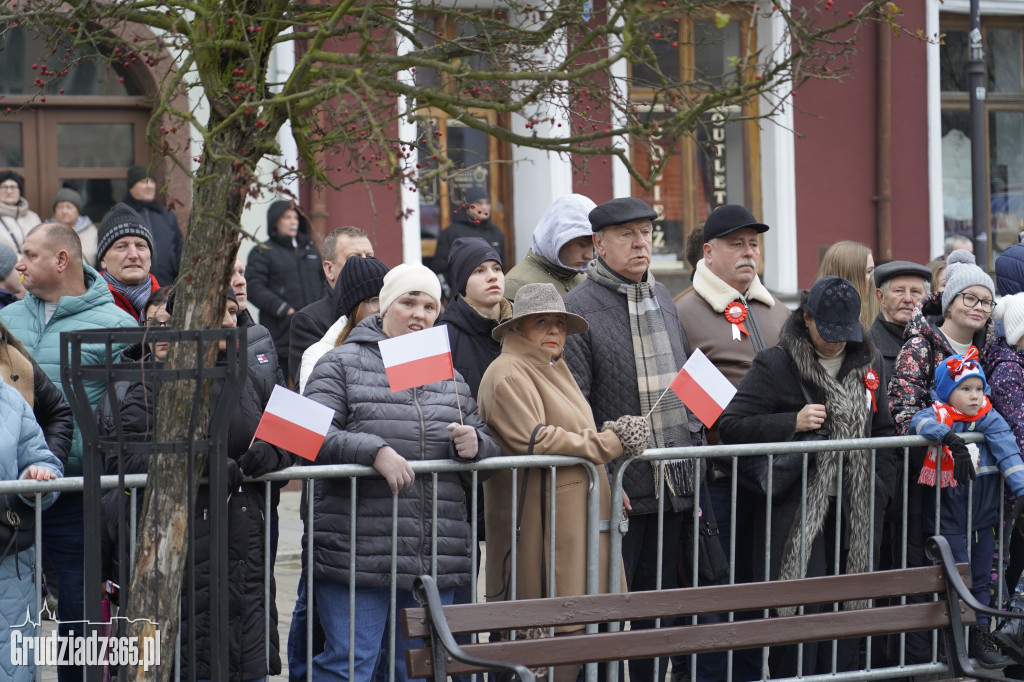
[602, 361]
[350, 379]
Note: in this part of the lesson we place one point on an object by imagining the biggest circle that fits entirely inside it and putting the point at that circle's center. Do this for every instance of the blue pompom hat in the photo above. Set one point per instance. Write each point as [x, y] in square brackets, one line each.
[955, 369]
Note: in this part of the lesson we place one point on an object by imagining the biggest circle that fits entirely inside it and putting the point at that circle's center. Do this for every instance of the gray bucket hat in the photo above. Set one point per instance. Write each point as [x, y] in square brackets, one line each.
[540, 299]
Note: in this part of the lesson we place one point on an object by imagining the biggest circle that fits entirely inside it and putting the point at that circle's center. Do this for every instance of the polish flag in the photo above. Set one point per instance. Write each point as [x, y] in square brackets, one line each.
[295, 423]
[702, 388]
[419, 358]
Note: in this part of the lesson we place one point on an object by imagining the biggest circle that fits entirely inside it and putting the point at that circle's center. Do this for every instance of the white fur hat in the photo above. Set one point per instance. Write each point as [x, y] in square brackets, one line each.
[1011, 311]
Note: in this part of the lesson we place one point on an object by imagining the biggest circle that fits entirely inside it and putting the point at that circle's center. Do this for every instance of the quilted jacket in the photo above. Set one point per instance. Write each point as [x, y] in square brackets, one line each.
[602, 361]
[924, 347]
[21, 445]
[350, 379]
[95, 309]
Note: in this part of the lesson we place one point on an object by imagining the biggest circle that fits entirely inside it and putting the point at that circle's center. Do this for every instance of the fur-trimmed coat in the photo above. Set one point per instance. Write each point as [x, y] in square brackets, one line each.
[765, 409]
[924, 347]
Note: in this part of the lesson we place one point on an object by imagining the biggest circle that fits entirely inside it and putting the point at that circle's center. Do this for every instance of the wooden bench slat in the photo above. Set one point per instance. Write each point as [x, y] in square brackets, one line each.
[690, 639]
[556, 611]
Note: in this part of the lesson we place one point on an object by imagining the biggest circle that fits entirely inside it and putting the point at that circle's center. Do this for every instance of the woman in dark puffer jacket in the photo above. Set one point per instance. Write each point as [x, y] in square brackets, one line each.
[375, 427]
[247, 658]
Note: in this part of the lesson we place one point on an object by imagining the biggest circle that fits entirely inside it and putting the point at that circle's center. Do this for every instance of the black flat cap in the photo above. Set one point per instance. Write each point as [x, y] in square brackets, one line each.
[729, 218]
[898, 268]
[619, 212]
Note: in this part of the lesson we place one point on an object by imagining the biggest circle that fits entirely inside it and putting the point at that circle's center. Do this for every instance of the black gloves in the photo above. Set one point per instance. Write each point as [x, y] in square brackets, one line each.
[261, 458]
[963, 467]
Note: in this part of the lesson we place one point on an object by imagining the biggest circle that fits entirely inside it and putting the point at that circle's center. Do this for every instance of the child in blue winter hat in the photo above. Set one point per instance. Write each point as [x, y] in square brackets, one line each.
[961, 405]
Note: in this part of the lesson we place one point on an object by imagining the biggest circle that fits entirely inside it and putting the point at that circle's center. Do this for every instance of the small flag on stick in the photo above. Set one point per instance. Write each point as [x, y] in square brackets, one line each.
[418, 358]
[295, 423]
[703, 388]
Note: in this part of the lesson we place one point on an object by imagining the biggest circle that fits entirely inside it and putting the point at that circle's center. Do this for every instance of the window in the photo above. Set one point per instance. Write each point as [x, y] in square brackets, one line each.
[87, 132]
[716, 165]
[1002, 39]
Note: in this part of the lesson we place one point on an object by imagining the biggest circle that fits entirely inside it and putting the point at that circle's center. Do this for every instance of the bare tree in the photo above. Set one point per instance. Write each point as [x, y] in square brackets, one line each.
[362, 70]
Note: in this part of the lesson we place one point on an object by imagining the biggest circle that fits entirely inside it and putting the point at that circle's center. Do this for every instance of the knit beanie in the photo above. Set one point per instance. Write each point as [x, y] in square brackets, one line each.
[954, 370]
[409, 277]
[136, 173]
[360, 279]
[1011, 311]
[961, 273]
[8, 259]
[120, 221]
[466, 254]
[11, 175]
[69, 195]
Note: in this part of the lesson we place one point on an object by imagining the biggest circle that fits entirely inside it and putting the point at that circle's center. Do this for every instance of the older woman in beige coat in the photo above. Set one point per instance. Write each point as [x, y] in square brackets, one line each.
[529, 385]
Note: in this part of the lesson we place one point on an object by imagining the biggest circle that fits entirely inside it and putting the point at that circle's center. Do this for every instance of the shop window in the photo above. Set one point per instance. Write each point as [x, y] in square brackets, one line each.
[1003, 41]
[718, 163]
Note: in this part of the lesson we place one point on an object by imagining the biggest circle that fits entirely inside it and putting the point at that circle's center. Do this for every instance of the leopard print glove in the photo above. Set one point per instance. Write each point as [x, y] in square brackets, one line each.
[634, 433]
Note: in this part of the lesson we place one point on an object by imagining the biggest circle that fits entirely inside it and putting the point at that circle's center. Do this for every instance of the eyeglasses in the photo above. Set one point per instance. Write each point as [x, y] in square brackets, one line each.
[972, 301]
[9, 188]
[158, 323]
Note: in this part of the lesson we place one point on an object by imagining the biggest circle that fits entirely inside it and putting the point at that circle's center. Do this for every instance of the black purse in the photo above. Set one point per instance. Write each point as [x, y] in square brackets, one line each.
[786, 470]
[17, 525]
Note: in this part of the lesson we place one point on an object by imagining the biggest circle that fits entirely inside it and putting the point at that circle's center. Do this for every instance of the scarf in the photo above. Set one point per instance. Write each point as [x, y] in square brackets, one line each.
[848, 417]
[656, 367]
[137, 295]
[946, 414]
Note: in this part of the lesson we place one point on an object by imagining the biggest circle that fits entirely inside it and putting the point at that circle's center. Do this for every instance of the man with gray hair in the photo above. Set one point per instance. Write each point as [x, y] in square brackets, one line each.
[956, 241]
[311, 323]
[899, 286]
[623, 364]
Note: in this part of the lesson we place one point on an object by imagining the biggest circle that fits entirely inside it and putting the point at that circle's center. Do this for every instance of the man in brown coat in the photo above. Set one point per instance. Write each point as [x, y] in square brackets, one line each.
[730, 315]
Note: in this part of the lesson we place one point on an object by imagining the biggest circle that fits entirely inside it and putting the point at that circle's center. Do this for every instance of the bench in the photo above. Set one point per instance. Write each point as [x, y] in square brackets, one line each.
[441, 656]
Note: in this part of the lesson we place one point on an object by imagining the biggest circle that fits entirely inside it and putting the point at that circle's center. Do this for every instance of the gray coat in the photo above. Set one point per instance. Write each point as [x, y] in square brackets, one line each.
[602, 361]
[350, 379]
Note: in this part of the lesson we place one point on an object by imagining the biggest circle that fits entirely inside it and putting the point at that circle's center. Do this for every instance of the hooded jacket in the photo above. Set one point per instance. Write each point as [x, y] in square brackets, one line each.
[282, 274]
[564, 220]
[95, 309]
[16, 222]
[350, 379]
[167, 239]
[924, 347]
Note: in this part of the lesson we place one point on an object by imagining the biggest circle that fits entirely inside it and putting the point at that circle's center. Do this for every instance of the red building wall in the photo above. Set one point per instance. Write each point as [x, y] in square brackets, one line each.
[836, 123]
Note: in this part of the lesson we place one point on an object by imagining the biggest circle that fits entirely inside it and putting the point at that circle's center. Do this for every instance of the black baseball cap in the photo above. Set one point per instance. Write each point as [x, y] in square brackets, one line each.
[835, 306]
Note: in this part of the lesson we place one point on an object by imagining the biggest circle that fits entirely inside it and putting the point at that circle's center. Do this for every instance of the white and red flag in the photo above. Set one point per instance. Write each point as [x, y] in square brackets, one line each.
[419, 358]
[703, 388]
[295, 423]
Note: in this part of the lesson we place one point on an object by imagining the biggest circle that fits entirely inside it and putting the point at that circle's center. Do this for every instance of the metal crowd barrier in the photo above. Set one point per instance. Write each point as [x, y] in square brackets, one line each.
[312, 475]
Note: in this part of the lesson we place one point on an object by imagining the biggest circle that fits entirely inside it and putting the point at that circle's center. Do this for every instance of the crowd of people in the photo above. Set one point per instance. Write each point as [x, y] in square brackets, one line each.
[568, 352]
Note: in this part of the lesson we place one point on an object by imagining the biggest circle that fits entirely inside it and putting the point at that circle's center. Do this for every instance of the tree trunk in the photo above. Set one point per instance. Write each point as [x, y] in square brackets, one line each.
[220, 191]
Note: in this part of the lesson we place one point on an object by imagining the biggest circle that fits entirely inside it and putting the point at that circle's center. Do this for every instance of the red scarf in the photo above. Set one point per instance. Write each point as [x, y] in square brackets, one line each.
[947, 414]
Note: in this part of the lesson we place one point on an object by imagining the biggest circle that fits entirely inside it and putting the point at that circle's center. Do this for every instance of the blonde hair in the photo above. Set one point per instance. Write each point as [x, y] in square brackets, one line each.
[937, 266]
[849, 260]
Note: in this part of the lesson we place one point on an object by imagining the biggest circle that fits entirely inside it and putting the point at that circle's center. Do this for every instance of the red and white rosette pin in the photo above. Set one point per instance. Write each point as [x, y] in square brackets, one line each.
[735, 313]
[871, 385]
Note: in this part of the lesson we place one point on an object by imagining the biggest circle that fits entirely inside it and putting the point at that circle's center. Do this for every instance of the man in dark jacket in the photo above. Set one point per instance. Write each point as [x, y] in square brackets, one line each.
[471, 219]
[899, 286]
[284, 273]
[632, 317]
[124, 251]
[311, 323]
[162, 224]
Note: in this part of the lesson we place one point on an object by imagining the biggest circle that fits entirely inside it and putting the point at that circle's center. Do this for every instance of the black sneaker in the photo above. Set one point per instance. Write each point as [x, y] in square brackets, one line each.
[983, 649]
[1010, 638]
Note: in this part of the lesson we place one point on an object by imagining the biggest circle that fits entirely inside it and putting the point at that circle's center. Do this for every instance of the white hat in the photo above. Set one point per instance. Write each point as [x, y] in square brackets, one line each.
[409, 277]
[1011, 311]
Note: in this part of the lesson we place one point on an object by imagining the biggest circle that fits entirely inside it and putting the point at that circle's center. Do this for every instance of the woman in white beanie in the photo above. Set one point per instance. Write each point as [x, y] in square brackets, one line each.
[386, 430]
[945, 323]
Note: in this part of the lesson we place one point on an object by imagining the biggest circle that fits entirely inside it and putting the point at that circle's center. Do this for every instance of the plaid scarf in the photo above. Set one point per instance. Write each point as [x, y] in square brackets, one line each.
[946, 414]
[137, 295]
[656, 367]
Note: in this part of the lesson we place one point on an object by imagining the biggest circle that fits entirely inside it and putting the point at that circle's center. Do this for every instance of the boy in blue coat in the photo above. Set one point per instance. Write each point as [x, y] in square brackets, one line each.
[960, 405]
